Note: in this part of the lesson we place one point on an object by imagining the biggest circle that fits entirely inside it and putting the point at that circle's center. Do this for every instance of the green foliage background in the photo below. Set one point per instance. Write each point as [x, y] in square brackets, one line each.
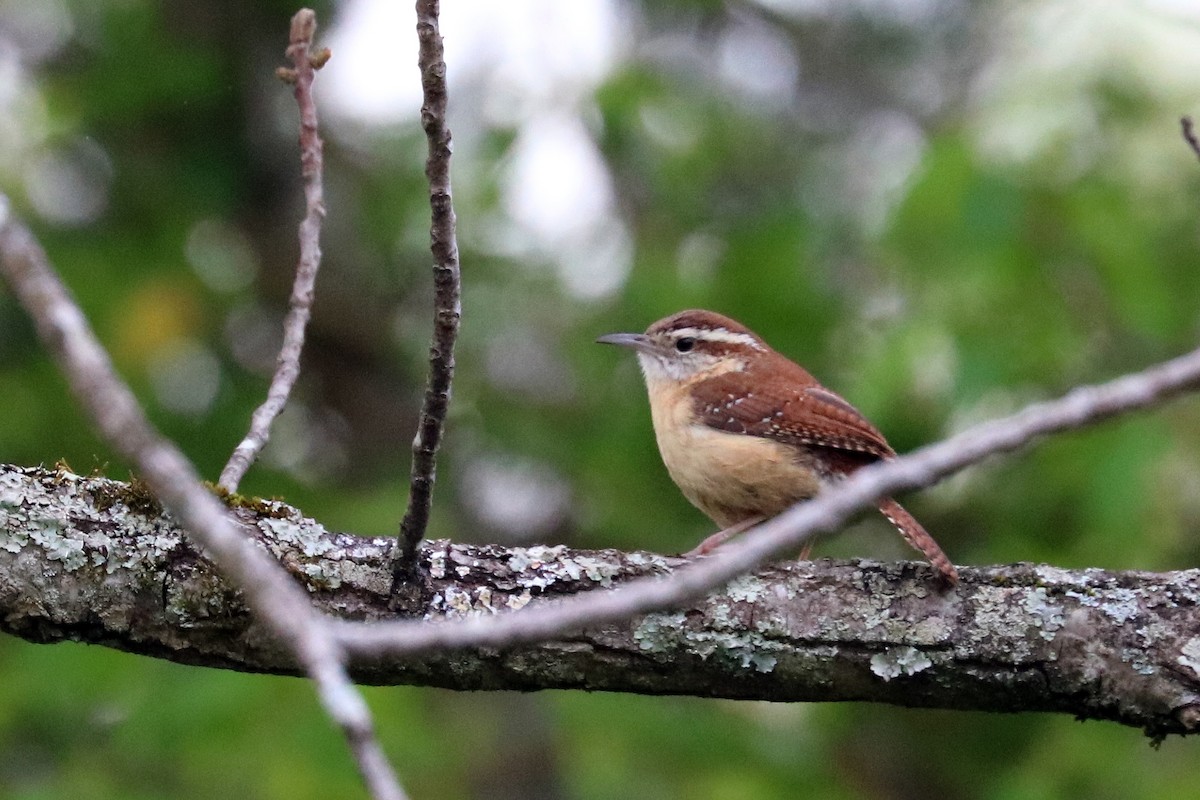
[954, 208]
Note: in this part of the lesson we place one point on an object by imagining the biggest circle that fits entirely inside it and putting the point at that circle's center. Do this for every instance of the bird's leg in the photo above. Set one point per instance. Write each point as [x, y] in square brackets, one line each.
[722, 536]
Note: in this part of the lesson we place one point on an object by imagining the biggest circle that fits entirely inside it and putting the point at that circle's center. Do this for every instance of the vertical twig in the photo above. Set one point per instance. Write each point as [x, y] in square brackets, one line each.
[305, 63]
[1189, 135]
[447, 307]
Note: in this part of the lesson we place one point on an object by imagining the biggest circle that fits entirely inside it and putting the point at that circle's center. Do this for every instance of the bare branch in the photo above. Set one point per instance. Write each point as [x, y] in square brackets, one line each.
[305, 63]
[1009, 638]
[280, 603]
[1189, 135]
[447, 305]
[825, 513]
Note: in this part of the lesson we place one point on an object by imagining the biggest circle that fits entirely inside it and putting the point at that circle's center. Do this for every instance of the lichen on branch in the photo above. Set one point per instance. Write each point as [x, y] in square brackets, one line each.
[77, 562]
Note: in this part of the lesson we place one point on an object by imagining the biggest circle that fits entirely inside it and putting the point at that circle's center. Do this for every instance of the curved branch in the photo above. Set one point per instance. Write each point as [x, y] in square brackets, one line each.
[118, 418]
[85, 559]
[305, 64]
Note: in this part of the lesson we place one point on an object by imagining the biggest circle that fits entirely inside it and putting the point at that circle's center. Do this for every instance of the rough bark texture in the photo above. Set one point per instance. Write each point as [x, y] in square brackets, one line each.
[95, 560]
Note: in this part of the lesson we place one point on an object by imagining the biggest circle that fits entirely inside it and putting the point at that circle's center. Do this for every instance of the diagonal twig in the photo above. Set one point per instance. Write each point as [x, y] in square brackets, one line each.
[275, 599]
[827, 512]
[1189, 134]
[305, 63]
[447, 304]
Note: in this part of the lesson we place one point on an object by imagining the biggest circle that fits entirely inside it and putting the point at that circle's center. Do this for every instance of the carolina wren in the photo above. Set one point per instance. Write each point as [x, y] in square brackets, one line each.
[747, 433]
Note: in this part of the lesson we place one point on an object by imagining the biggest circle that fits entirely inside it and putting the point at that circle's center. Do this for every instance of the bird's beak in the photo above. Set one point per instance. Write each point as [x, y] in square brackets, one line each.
[634, 341]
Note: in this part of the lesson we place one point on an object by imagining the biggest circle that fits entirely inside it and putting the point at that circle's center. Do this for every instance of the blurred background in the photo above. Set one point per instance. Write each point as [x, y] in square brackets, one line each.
[945, 209]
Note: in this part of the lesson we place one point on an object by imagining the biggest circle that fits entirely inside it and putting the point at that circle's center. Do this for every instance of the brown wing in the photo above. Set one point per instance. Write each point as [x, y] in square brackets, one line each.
[790, 408]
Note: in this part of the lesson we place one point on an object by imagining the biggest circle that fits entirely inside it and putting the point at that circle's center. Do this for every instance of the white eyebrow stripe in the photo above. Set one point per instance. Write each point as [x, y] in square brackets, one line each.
[718, 335]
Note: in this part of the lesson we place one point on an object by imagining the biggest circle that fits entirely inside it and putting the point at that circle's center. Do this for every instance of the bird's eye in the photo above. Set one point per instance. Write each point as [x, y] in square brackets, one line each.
[685, 344]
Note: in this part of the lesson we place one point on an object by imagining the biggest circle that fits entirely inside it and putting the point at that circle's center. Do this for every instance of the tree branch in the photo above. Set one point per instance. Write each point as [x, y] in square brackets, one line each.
[305, 64]
[85, 559]
[118, 418]
[447, 303]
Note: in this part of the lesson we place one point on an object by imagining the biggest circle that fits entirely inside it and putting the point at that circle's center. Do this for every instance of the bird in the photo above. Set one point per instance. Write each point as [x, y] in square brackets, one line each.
[746, 433]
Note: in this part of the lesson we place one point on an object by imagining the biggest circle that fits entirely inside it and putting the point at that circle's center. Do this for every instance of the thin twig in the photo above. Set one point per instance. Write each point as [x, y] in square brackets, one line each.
[279, 602]
[828, 512]
[287, 366]
[447, 305]
[1189, 134]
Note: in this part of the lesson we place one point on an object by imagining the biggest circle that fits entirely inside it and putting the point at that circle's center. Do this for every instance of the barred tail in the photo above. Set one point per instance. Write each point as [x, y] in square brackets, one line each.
[918, 537]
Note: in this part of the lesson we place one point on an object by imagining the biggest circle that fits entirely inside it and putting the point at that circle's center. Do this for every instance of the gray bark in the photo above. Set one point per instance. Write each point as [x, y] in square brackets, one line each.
[96, 560]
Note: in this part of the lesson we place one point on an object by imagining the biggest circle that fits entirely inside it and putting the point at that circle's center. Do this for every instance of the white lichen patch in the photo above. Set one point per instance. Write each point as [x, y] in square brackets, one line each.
[931, 630]
[569, 568]
[437, 563]
[1121, 605]
[456, 603]
[12, 491]
[1045, 614]
[61, 516]
[722, 615]
[331, 561]
[745, 649]
[540, 554]
[306, 536]
[321, 575]
[1138, 661]
[121, 556]
[12, 538]
[897, 661]
[1055, 575]
[540, 566]
[646, 560]
[344, 570]
[1189, 655]
[664, 633]
[893, 617]
[68, 550]
[763, 662]
[992, 615]
[659, 632]
[516, 601]
[598, 570]
[519, 561]
[483, 599]
[1089, 599]
[746, 588]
